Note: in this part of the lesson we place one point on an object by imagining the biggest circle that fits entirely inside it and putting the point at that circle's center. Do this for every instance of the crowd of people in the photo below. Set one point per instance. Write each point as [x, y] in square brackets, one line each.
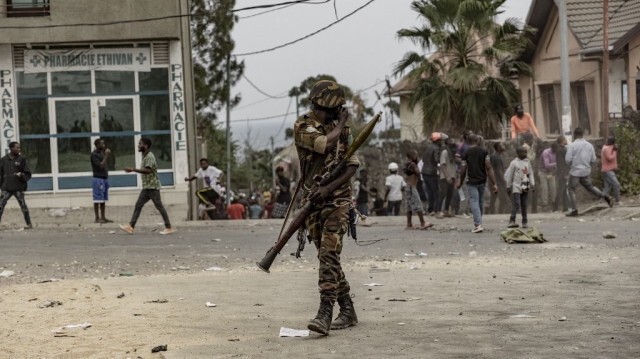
[451, 178]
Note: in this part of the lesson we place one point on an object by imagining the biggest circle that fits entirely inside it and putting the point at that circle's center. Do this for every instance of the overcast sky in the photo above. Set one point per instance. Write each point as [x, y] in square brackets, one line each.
[360, 51]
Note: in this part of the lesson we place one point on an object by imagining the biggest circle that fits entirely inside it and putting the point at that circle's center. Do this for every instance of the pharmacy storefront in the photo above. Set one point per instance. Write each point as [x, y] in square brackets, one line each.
[56, 100]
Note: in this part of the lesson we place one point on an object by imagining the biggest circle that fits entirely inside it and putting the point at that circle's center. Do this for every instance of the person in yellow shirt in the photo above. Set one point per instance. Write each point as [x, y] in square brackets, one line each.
[522, 122]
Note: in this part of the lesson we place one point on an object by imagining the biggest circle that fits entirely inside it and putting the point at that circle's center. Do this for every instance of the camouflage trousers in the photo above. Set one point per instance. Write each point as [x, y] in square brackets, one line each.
[326, 227]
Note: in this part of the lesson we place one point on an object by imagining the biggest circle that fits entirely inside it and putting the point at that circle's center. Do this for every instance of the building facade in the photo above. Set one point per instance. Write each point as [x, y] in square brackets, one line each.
[541, 93]
[74, 71]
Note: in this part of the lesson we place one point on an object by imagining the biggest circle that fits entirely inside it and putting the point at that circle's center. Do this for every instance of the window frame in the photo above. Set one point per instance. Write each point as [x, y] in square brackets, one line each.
[33, 11]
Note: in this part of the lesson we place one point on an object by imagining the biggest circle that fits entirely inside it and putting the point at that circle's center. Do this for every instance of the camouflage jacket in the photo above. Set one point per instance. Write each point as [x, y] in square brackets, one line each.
[316, 159]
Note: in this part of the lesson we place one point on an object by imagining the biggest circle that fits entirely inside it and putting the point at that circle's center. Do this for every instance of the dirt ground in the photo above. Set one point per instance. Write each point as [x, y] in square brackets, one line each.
[576, 296]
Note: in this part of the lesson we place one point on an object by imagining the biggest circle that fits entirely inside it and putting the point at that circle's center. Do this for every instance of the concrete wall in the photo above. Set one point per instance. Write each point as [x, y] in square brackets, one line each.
[411, 128]
[92, 12]
[633, 64]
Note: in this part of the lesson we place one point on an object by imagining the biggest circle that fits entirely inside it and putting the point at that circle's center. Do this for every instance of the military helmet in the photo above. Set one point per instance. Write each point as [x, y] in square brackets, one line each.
[327, 94]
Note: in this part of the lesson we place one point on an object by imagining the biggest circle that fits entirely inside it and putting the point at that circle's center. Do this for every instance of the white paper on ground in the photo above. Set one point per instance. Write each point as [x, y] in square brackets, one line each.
[521, 316]
[209, 304]
[288, 332]
[373, 284]
[84, 325]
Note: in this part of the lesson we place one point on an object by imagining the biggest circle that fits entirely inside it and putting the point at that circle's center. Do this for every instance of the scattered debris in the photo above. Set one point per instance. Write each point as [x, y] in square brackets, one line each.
[48, 280]
[521, 316]
[121, 295]
[126, 274]
[473, 254]
[379, 270]
[288, 332]
[159, 301]
[180, 268]
[258, 305]
[404, 299]
[410, 254]
[414, 267]
[373, 284]
[216, 240]
[454, 253]
[159, 348]
[50, 304]
[517, 235]
[57, 212]
[582, 220]
[401, 323]
[61, 330]
[233, 340]
[213, 269]
[562, 319]
[112, 232]
[210, 305]
[7, 273]
[608, 235]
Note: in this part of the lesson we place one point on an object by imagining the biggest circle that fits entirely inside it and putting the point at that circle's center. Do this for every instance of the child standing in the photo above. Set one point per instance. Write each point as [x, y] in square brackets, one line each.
[519, 181]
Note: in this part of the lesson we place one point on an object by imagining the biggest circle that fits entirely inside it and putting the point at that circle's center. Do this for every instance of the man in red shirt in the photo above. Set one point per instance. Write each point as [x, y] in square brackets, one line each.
[521, 123]
[236, 210]
[609, 156]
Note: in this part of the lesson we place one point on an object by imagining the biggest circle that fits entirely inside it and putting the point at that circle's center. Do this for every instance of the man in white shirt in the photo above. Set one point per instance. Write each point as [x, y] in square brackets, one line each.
[393, 196]
[212, 178]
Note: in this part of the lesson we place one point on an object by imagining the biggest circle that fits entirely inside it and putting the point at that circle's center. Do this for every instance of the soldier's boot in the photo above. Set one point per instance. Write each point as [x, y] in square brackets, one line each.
[347, 316]
[322, 322]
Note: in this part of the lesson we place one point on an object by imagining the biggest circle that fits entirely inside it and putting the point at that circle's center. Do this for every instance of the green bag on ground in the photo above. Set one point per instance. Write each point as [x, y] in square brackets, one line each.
[516, 235]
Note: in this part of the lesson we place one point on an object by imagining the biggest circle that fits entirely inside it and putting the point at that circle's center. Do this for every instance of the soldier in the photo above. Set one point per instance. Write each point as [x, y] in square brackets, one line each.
[322, 140]
[14, 175]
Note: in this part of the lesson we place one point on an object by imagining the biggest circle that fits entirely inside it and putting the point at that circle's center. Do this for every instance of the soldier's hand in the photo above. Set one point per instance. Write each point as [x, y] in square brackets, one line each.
[495, 188]
[319, 195]
[343, 116]
[107, 152]
[128, 169]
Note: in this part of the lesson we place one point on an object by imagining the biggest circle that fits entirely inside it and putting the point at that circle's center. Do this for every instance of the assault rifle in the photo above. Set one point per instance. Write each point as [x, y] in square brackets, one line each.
[309, 207]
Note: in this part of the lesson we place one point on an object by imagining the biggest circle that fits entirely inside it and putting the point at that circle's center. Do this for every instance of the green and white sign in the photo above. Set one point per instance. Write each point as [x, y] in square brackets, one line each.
[125, 59]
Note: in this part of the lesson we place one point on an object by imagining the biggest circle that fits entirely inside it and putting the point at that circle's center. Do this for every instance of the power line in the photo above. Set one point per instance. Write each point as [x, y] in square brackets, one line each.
[263, 118]
[262, 92]
[281, 8]
[149, 19]
[306, 36]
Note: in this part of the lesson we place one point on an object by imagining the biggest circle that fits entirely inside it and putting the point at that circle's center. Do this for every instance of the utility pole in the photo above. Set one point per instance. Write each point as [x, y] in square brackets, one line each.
[565, 85]
[228, 192]
[389, 95]
[273, 164]
[605, 69]
[249, 152]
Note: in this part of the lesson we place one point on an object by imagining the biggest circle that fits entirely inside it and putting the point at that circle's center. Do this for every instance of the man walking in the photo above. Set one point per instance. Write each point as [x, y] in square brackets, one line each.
[477, 164]
[411, 197]
[150, 188]
[562, 175]
[431, 160]
[14, 175]
[498, 171]
[547, 171]
[321, 140]
[580, 155]
[99, 158]
[609, 157]
[362, 201]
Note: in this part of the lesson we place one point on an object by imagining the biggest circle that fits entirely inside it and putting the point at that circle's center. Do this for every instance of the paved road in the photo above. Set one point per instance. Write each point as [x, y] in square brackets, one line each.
[466, 287]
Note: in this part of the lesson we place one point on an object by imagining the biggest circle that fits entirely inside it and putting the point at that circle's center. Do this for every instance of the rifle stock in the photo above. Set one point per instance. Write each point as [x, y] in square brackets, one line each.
[308, 208]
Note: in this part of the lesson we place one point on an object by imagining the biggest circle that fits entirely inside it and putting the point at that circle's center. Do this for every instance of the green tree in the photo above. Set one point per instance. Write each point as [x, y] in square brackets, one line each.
[465, 83]
[212, 23]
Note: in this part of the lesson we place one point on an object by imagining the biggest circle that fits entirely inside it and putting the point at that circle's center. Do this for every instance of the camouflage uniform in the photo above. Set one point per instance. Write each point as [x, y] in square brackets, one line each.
[328, 224]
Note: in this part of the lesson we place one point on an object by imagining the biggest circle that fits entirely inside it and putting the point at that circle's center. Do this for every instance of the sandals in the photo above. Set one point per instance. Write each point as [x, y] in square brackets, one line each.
[426, 226]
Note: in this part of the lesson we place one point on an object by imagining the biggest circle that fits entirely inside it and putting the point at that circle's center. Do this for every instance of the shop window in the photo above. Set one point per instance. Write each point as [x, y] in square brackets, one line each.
[114, 81]
[155, 80]
[73, 82]
[161, 148]
[24, 8]
[73, 125]
[32, 84]
[34, 122]
[154, 113]
[116, 116]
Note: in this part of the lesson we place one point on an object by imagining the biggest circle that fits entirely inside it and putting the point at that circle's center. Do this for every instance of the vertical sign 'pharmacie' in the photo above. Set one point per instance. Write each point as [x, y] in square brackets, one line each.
[7, 99]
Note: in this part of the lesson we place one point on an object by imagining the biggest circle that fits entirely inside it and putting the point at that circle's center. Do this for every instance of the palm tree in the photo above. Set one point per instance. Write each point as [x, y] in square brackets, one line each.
[465, 81]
